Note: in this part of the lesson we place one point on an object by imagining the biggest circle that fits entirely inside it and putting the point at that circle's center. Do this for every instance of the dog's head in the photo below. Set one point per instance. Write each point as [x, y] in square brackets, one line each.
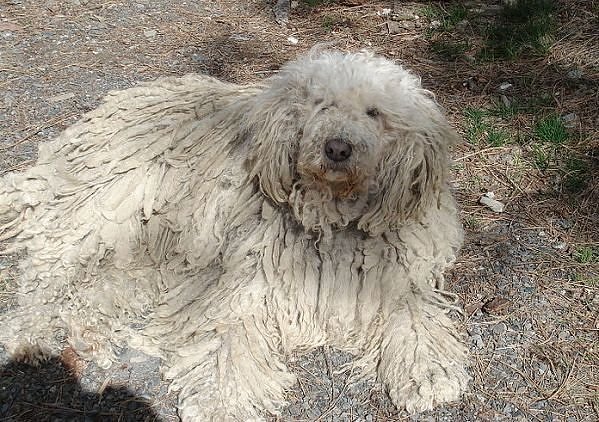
[348, 138]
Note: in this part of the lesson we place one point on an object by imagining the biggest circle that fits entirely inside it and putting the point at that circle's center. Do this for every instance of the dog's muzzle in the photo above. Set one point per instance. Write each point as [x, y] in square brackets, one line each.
[337, 150]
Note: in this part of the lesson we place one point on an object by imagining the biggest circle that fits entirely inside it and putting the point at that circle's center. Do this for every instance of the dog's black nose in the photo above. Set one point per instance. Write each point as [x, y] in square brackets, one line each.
[337, 150]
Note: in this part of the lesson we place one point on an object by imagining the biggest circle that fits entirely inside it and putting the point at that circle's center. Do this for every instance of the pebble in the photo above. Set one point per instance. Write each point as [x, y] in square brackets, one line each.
[508, 409]
[566, 224]
[61, 97]
[478, 341]
[574, 74]
[489, 200]
[570, 120]
[199, 58]
[500, 329]
[240, 37]
[560, 246]
[150, 33]
[563, 335]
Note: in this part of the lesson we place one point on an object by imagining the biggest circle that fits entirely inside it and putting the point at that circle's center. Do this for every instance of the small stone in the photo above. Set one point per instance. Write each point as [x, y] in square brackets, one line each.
[496, 305]
[471, 83]
[150, 33]
[292, 40]
[240, 37]
[563, 335]
[396, 27]
[504, 86]
[566, 224]
[500, 329]
[281, 11]
[471, 308]
[542, 368]
[435, 24]
[570, 120]
[477, 340]
[488, 200]
[198, 58]
[574, 74]
[61, 97]
[560, 246]
[139, 358]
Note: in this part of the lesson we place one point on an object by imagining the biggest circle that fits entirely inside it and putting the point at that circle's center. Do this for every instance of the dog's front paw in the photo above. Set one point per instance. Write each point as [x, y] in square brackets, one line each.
[429, 386]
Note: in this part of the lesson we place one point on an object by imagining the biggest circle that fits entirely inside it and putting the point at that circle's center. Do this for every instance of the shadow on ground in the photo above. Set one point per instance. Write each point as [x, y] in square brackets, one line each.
[50, 392]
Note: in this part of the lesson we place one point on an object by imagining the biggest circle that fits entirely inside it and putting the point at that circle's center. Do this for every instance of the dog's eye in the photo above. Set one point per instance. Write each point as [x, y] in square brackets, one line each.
[373, 112]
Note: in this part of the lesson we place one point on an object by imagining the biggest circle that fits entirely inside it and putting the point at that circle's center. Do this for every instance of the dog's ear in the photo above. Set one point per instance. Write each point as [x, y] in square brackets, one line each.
[271, 130]
[414, 168]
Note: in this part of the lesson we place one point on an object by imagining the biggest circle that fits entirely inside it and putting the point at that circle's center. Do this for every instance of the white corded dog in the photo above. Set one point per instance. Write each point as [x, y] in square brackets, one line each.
[223, 227]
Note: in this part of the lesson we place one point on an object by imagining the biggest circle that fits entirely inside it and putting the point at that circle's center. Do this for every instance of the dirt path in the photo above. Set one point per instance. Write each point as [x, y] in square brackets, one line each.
[528, 277]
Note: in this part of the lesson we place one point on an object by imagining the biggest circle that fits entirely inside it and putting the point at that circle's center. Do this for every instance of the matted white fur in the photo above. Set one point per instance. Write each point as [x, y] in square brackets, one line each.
[204, 222]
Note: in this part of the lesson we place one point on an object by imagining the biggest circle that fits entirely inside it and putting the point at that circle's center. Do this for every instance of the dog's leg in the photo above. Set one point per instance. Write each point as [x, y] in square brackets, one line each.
[220, 349]
[423, 359]
[67, 290]
[228, 374]
[34, 331]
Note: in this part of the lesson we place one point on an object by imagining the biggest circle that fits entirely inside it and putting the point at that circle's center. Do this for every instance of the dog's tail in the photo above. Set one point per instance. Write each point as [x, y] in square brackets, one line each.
[20, 194]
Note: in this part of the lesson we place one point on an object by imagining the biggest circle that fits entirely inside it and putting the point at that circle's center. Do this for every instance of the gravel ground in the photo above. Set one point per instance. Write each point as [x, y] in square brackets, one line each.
[531, 316]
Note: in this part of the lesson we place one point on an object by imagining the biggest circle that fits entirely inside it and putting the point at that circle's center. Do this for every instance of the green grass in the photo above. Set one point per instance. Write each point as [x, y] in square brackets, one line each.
[577, 175]
[449, 50]
[542, 156]
[431, 12]
[479, 130]
[497, 138]
[476, 127]
[551, 129]
[525, 27]
[472, 223]
[530, 105]
[585, 279]
[448, 18]
[585, 255]
[454, 15]
[504, 111]
[536, 103]
[328, 22]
